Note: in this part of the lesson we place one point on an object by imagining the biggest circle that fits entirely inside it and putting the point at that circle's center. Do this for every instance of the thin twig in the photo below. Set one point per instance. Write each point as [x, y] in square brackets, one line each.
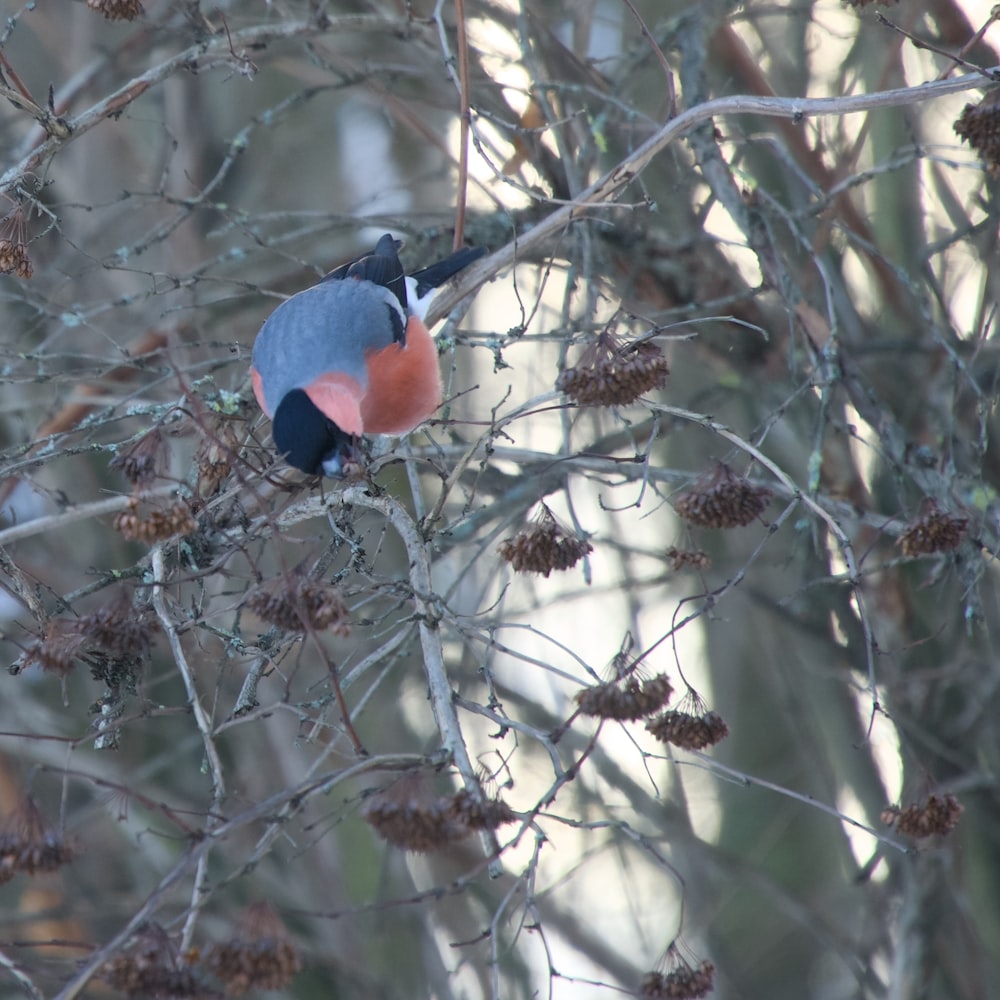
[202, 720]
[195, 57]
[21, 976]
[604, 191]
[741, 777]
[84, 512]
[919, 43]
[290, 798]
[843, 542]
[463, 135]
[428, 616]
[668, 72]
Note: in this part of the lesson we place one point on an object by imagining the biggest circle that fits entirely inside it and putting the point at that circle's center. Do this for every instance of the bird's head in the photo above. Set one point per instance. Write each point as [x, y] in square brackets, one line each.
[308, 439]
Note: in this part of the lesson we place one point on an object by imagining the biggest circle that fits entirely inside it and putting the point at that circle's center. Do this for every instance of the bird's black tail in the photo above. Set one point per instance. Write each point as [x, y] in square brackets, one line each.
[382, 267]
[429, 278]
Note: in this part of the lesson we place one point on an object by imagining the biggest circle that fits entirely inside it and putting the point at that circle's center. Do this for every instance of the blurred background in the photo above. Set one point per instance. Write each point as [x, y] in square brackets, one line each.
[796, 527]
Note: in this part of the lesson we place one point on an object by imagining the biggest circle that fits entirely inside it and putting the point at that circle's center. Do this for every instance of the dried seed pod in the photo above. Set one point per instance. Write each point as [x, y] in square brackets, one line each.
[934, 530]
[625, 699]
[151, 967]
[14, 258]
[158, 525]
[117, 10]
[938, 815]
[258, 957]
[215, 457]
[690, 726]
[28, 845]
[485, 815]
[13, 246]
[682, 983]
[118, 628]
[687, 730]
[627, 695]
[722, 500]
[979, 126]
[408, 817]
[611, 373]
[688, 558]
[55, 651]
[140, 462]
[294, 602]
[543, 546]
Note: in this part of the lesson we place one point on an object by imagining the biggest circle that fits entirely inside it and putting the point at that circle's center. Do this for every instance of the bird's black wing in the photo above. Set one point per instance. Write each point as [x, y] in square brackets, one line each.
[380, 266]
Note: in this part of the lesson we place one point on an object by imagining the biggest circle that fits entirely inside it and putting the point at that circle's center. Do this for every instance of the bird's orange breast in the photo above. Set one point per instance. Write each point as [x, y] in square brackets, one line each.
[404, 383]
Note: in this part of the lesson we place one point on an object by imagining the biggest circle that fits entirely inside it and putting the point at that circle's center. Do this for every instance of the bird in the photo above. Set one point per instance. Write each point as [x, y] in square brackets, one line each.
[351, 356]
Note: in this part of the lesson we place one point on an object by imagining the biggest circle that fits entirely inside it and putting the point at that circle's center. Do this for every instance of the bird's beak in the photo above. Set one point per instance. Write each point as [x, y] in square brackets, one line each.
[333, 467]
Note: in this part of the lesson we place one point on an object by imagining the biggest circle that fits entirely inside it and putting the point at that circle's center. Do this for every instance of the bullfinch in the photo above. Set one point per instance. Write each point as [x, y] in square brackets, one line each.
[351, 356]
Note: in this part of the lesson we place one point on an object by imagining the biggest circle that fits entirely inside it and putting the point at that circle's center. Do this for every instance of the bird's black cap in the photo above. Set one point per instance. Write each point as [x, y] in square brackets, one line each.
[308, 439]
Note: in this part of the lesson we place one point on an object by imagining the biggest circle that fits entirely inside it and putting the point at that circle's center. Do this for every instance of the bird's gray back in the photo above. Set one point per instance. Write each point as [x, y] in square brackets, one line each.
[328, 327]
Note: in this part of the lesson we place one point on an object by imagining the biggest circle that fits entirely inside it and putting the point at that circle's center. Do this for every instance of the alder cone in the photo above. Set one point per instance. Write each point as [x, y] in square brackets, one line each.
[414, 824]
[687, 730]
[723, 500]
[979, 126]
[938, 816]
[298, 602]
[14, 259]
[543, 547]
[682, 983]
[934, 530]
[625, 700]
[158, 525]
[259, 956]
[117, 10]
[612, 374]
